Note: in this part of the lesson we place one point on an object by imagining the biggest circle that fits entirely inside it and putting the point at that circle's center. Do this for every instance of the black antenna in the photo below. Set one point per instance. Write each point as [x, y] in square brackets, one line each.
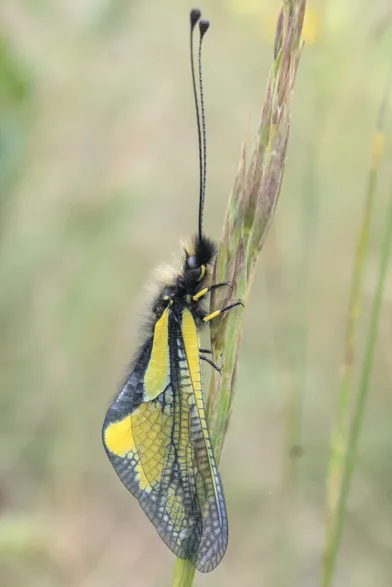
[201, 128]
[195, 16]
[203, 27]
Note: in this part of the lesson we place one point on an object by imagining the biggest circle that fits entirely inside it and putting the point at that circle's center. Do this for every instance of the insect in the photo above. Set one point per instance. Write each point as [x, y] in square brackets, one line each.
[155, 433]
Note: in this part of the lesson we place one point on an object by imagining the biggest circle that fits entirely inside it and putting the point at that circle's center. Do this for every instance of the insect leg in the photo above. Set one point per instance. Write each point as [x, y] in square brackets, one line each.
[223, 284]
[219, 369]
[208, 351]
[206, 290]
[218, 312]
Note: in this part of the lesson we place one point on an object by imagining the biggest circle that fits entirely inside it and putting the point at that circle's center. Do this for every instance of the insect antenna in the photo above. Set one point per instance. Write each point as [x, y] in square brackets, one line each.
[203, 27]
[201, 127]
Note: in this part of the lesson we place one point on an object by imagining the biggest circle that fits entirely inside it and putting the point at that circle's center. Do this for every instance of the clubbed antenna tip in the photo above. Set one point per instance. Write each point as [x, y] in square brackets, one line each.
[203, 27]
[195, 15]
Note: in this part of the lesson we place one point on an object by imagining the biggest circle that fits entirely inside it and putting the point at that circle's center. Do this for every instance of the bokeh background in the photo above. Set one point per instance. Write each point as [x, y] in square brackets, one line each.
[98, 172]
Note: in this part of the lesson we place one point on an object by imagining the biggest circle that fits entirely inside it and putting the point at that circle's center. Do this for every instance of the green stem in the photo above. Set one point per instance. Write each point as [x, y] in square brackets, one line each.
[341, 429]
[362, 396]
[184, 573]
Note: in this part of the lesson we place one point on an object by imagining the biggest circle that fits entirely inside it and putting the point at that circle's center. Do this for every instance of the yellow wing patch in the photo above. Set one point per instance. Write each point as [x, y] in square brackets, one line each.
[191, 342]
[119, 438]
[141, 438]
[157, 375]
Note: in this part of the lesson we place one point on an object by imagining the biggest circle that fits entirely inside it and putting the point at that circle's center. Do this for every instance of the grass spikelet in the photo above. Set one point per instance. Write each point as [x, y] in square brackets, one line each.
[249, 214]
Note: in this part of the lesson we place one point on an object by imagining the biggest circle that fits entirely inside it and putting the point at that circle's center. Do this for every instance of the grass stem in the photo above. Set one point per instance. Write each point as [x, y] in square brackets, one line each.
[345, 432]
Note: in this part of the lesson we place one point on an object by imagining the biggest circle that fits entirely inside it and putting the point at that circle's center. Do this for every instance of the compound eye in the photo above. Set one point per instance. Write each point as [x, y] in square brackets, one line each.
[191, 262]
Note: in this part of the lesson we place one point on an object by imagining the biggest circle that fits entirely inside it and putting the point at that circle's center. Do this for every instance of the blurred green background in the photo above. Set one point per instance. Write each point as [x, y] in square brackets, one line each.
[98, 172]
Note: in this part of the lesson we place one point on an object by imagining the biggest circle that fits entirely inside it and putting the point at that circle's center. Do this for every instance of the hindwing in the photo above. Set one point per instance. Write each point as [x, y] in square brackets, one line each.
[156, 437]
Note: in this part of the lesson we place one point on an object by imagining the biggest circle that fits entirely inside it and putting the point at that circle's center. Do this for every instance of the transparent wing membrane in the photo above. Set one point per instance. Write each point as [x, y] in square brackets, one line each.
[162, 452]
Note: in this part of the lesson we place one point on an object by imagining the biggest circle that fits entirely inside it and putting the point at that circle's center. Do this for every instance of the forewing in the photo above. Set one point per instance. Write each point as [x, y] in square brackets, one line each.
[145, 435]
